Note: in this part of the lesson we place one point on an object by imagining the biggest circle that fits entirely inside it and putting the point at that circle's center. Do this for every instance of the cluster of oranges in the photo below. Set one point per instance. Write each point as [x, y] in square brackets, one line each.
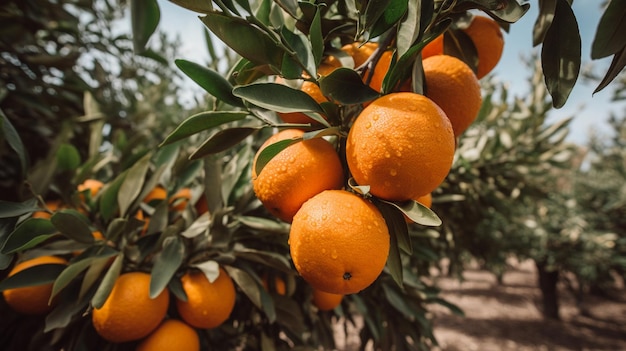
[401, 146]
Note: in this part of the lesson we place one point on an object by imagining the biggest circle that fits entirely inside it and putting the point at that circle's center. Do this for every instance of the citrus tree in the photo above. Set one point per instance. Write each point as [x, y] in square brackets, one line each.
[232, 235]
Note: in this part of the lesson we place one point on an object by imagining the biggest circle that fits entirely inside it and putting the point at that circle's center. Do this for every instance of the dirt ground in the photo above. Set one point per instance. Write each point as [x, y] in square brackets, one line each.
[507, 317]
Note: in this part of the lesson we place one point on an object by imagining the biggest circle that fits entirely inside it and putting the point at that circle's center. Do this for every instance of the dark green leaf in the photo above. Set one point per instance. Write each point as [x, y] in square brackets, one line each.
[108, 200]
[617, 65]
[15, 209]
[15, 142]
[393, 13]
[264, 224]
[200, 6]
[398, 301]
[345, 86]
[28, 234]
[458, 44]
[133, 183]
[222, 140]
[145, 16]
[301, 58]
[610, 35]
[36, 275]
[68, 158]
[94, 272]
[452, 307]
[560, 54]
[73, 224]
[151, 54]
[69, 273]
[394, 260]
[166, 265]
[418, 213]
[508, 11]
[396, 224]
[270, 259]
[272, 150]
[108, 281]
[263, 12]
[373, 11]
[290, 6]
[278, 97]
[410, 29]
[253, 291]
[544, 20]
[317, 38]
[210, 81]
[245, 39]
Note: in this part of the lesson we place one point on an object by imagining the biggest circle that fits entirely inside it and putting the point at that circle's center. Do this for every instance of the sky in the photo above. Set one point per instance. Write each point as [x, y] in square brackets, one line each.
[590, 111]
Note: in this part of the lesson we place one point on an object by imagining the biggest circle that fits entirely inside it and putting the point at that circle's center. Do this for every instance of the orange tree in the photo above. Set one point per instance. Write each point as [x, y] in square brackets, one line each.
[209, 243]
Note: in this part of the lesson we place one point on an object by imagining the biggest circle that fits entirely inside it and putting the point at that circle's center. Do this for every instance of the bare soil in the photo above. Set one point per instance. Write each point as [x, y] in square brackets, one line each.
[507, 316]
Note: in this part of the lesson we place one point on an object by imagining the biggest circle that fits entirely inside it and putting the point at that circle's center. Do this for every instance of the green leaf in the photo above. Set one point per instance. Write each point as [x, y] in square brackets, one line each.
[253, 291]
[69, 273]
[145, 16]
[544, 20]
[15, 142]
[68, 158]
[14, 209]
[452, 307]
[28, 234]
[290, 6]
[222, 140]
[398, 301]
[94, 272]
[278, 97]
[33, 276]
[396, 224]
[200, 6]
[410, 29]
[166, 265]
[73, 224]
[394, 260]
[133, 183]
[263, 12]
[211, 81]
[560, 54]
[373, 11]
[301, 58]
[345, 86]
[272, 150]
[508, 11]
[317, 38]
[108, 200]
[264, 224]
[392, 14]
[609, 38]
[458, 44]
[244, 38]
[266, 258]
[109, 279]
[417, 212]
[617, 65]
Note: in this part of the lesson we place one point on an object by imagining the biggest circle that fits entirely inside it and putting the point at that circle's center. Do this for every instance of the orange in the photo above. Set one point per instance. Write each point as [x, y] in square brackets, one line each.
[452, 85]
[313, 90]
[93, 185]
[52, 205]
[435, 47]
[32, 299]
[157, 194]
[129, 313]
[171, 335]
[208, 304]
[296, 173]
[489, 42]
[339, 242]
[486, 36]
[401, 145]
[361, 53]
[426, 200]
[180, 199]
[279, 285]
[326, 301]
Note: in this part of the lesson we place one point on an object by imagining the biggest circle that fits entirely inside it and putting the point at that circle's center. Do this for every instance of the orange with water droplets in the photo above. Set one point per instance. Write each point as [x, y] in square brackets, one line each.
[401, 145]
[296, 173]
[339, 242]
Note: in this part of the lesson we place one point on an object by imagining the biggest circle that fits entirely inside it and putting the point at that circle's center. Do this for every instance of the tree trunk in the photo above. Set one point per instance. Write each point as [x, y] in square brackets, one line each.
[548, 285]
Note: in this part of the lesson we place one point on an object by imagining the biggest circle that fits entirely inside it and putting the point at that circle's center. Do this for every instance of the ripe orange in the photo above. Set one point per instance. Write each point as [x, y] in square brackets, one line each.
[339, 242]
[313, 90]
[426, 200]
[208, 304]
[93, 185]
[401, 145]
[326, 301]
[52, 205]
[129, 313]
[279, 285]
[157, 194]
[296, 173]
[31, 299]
[171, 335]
[180, 199]
[487, 37]
[361, 53]
[452, 85]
